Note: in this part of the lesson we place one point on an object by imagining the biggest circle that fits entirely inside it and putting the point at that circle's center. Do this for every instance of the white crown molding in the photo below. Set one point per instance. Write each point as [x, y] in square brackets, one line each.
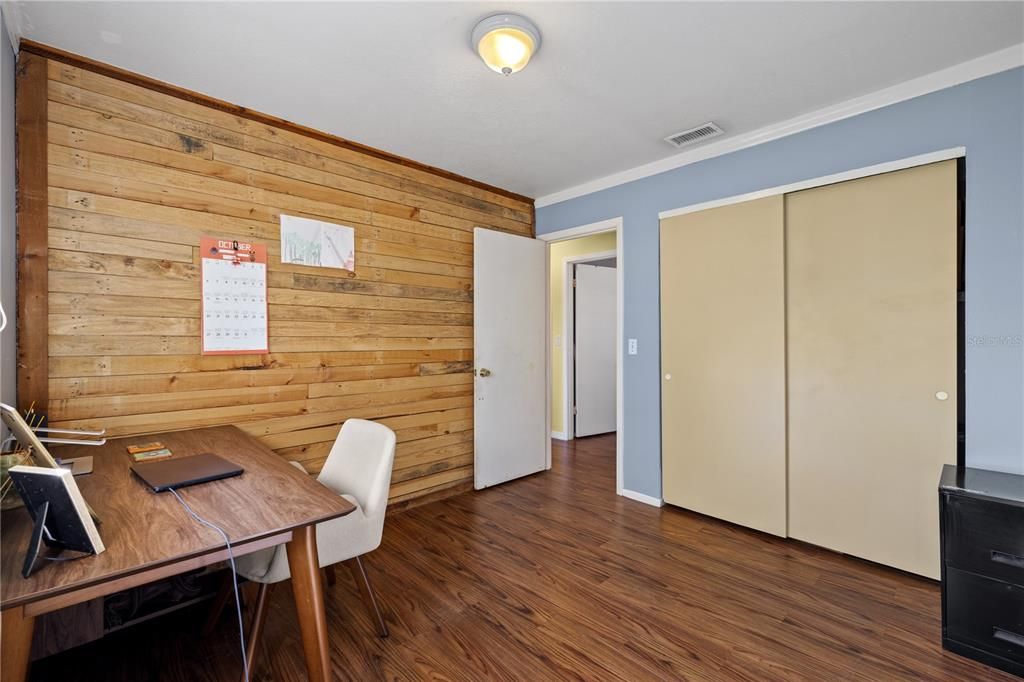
[13, 21]
[995, 62]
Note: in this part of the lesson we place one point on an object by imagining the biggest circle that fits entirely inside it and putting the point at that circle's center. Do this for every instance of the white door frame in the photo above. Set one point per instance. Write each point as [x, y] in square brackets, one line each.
[610, 225]
[569, 338]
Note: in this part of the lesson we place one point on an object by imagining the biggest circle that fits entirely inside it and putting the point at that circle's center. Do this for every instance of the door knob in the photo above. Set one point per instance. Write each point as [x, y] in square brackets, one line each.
[484, 372]
[941, 395]
[668, 377]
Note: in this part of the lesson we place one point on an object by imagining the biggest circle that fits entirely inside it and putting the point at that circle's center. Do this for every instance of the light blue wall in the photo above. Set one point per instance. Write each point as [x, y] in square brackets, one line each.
[986, 116]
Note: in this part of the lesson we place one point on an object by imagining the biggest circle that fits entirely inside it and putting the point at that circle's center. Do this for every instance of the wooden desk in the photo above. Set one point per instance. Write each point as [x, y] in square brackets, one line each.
[149, 536]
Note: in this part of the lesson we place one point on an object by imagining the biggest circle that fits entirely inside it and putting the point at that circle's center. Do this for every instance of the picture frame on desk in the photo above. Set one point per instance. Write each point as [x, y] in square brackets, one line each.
[60, 515]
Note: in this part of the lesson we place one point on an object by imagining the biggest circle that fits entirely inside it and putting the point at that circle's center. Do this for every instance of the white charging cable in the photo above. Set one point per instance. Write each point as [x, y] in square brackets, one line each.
[234, 576]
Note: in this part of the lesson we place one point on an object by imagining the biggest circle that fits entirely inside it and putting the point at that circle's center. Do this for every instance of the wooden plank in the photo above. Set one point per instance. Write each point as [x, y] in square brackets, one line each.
[412, 433]
[138, 306]
[434, 417]
[32, 241]
[367, 330]
[377, 385]
[76, 387]
[422, 497]
[327, 314]
[158, 422]
[87, 283]
[420, 395]
[292, 431]
[135, 178]
[124, 266]
[191, 223]
[405, 489]
[123, 325]
[88, 130]
[71, 240]
[118, 405]
[335, 299]
[173, 122]
[445, 462]
[129, 365]
[98, 344]
[85, 64]
[432, 456]
[111, 90]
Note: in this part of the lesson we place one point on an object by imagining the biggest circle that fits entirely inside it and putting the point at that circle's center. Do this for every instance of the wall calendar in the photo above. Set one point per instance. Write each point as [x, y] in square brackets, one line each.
[234, 297]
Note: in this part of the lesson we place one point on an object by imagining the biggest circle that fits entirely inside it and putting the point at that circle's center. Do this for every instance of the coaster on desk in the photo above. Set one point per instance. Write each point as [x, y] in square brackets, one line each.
[148, 447]
[151, 455]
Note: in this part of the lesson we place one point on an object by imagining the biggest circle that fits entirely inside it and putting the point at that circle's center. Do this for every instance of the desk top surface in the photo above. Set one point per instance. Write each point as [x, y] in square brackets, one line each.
[142, 529]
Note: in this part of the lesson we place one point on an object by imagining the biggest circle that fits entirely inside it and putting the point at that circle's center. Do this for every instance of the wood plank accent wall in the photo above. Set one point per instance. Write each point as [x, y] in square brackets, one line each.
[137, 173]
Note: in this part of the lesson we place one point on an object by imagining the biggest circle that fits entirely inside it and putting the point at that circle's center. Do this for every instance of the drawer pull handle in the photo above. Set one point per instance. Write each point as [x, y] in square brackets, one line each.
[1008, 559]
[1007, 636]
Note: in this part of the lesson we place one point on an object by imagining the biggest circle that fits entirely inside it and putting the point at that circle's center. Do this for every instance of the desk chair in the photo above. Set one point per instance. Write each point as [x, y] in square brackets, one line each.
[359, 469]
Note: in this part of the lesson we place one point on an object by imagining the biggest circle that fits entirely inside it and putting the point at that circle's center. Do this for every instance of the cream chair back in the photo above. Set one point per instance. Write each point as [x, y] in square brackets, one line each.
[359, 465]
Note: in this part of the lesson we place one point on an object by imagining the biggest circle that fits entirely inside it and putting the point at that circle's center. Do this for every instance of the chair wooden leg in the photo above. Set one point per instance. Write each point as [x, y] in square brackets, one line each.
[363, 580]
[259, 618]
[332, 577]
[225, 591]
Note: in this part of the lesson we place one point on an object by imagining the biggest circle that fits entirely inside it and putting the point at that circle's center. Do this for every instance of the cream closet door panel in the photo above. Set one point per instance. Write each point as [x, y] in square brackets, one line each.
[723, 363]
[872, 331]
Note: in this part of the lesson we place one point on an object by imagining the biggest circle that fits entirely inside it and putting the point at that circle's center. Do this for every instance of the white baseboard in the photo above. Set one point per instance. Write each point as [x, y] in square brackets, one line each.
[559, 435]
[640, 497]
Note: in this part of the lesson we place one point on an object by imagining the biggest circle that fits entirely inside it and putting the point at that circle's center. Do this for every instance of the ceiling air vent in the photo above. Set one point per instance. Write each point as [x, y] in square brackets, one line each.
[694, 135]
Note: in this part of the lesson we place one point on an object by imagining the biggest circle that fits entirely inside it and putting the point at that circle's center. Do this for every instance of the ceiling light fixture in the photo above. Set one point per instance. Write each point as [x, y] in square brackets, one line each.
[506, 42]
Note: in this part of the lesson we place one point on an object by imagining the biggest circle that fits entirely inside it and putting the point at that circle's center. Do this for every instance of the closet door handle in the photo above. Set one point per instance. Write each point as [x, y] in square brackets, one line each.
[1008, 559]
[1008, 637]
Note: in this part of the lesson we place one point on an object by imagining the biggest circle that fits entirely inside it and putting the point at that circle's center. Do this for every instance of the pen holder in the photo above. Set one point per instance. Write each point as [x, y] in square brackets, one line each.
[9, 497]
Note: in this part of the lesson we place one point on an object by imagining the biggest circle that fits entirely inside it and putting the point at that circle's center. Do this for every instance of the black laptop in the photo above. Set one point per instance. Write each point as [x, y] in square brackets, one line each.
[185, 471]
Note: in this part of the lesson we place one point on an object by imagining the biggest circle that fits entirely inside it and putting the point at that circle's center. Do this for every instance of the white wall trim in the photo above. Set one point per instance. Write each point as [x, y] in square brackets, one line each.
[558, 435]
[877, 169]
[14, 21]
[980, 67]
[640, 497]
[620, 305]
[581, 230]
[569, 337]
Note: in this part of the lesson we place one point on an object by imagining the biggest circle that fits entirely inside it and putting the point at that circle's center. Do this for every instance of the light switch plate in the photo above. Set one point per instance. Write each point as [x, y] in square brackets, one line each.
[631, 347]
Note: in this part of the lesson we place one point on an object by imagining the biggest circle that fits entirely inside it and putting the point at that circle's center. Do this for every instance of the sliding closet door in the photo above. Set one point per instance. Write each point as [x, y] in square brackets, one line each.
[723, 363]
[872, 331]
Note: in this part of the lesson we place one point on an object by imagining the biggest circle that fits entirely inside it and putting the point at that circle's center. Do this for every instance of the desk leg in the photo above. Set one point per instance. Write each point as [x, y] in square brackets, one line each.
[309, 602]
[16, 631]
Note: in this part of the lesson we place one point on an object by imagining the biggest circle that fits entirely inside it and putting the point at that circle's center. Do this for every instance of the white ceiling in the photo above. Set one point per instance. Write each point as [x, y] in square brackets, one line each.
[609, 82]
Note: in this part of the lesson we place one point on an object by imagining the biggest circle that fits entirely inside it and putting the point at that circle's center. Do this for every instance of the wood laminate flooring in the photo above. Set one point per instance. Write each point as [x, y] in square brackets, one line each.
[555, 577]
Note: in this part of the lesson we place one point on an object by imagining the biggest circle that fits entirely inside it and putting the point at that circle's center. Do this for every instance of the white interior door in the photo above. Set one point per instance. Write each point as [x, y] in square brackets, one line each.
[510, 315]
[595, 349]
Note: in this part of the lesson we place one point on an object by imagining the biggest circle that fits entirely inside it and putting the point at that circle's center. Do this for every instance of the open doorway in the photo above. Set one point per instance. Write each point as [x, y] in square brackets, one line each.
[587, 345]
[585, 335]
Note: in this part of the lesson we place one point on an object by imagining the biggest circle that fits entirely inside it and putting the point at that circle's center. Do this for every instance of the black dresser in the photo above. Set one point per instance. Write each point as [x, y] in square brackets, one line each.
[982, 519]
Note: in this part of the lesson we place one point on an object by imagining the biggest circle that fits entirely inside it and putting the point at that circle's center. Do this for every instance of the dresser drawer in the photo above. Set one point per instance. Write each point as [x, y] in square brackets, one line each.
[985, 613]
[984, 537]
